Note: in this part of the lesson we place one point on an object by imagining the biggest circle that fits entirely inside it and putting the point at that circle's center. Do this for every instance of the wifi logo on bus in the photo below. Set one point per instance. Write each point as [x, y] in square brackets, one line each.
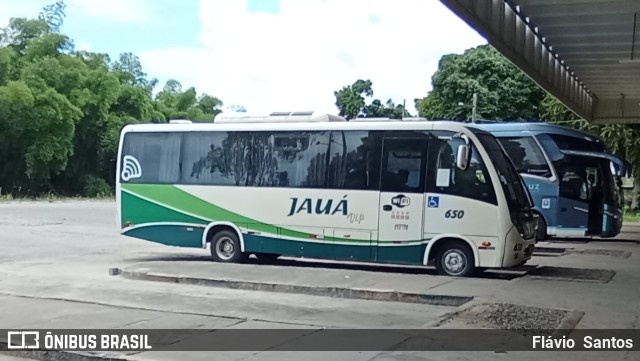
[131, 168]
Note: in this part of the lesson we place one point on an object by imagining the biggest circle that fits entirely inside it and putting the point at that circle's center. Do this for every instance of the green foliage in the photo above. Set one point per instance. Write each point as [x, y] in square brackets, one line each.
[7, 64]
[61, 111]
[177, 104]
[631, 216]
[388, 110]
[53, 15]
[129, 70]
[350, 100]
[484, 71]
[209, 105]
[95, 187]
[238, 108]
[20, 31]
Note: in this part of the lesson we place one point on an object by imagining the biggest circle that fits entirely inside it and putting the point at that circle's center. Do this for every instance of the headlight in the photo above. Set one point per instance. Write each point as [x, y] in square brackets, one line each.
[526, 225]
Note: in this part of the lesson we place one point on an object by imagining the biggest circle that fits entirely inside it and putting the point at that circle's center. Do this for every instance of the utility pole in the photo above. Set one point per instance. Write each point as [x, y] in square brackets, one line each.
[404, 109]
[475, 106]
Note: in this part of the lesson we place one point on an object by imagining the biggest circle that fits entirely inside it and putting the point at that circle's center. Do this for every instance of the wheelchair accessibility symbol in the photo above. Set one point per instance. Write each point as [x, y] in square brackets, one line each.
[433, 202]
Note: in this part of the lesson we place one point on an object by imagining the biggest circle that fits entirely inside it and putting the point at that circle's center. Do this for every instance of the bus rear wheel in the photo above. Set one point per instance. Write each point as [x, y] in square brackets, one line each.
[225, 247]
[455, 258]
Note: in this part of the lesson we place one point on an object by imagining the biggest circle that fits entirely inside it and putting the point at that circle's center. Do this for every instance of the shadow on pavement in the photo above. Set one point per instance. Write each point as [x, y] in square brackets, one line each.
[591, 240]
[505, 274]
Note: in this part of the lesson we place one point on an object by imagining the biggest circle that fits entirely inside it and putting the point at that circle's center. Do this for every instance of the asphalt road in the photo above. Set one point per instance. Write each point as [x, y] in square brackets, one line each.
[55, 257]
[63, 250]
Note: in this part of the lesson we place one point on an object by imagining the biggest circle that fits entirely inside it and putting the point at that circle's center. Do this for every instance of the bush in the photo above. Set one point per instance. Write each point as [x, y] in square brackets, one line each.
[94, 187]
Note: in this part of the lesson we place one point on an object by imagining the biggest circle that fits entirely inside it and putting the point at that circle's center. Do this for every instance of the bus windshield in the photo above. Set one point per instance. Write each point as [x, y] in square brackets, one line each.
[511, 183]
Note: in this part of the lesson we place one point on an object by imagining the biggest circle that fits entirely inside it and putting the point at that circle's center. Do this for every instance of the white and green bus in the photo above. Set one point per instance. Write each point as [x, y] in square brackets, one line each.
[316, 186]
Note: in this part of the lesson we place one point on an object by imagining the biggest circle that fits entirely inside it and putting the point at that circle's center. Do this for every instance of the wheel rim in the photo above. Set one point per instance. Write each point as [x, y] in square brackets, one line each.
[225, 248]
[454, 261]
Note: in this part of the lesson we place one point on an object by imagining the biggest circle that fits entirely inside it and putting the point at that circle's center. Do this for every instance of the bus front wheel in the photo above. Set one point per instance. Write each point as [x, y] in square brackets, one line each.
[455, 258]
[225, 247]
[541, 229]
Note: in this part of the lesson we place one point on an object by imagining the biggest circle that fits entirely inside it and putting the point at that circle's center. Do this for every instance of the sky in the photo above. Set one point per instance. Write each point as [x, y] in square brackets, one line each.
[271, 55]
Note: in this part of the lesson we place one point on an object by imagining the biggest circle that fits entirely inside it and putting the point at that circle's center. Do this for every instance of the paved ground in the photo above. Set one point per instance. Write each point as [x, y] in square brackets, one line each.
[54, 261]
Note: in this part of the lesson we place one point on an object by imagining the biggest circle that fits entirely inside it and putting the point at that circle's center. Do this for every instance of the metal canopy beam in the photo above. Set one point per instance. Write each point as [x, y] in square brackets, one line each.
[580, 51]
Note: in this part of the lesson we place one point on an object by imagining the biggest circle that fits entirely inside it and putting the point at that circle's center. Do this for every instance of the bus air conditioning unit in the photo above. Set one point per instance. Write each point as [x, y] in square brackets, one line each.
[278, 117]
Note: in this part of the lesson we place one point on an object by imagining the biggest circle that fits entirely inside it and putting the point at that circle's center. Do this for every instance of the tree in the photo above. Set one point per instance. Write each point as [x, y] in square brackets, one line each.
[172, 86]
[54, 15]
[7, 64]
[237, 108]
[209, 104]
[351, 103]
[129, 70]
[20, 31]
[350, 99]
[61, 111]
[38, 127]
[186, 100]
[504, 91]
[388, 110]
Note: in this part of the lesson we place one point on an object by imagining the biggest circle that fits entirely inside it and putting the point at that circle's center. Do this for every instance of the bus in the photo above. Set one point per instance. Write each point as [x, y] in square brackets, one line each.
[575, 182]
[313, 185]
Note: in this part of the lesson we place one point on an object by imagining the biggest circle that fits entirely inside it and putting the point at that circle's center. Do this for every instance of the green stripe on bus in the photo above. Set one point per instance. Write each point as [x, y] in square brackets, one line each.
[171, 196]
[137, 210]
[183, 201]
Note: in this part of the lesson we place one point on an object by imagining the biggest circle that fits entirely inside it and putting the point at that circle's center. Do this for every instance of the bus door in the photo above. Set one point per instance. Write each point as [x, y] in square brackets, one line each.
[573, 201]
[605, 201]
[401, 200]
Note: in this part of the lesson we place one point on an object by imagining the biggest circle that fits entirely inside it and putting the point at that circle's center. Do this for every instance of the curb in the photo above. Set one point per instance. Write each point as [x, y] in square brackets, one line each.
[569, 323]
[336, 292]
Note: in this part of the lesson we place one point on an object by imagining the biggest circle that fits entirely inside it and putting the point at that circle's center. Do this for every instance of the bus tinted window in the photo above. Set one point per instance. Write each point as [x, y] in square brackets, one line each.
[266, 159]
[526, 155]
[300, 160]
[404, 164]
[151, 158]
[566, 142]
[444, 177]
[215, 158]
[355, 160]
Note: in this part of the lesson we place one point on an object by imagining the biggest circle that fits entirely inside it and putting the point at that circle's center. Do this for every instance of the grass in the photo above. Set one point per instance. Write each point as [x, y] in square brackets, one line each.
[631, 216]
[50, 198]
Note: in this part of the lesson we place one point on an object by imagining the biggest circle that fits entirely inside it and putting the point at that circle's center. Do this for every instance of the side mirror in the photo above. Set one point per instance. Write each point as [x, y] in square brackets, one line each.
[462, 159]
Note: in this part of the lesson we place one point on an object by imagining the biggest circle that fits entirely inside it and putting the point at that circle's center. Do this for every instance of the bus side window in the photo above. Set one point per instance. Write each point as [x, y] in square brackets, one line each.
[151, 158]
[404, 161]
[355, 160]
[445, 178]
[526, 155]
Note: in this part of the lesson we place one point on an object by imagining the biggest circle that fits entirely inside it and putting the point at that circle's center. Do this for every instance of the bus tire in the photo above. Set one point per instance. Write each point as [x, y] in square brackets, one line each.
[225, 247]
[455, 258]
[541, 230]
[267, 257]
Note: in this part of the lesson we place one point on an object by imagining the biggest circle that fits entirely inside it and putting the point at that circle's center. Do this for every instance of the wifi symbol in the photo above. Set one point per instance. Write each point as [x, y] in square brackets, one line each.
[131, 168]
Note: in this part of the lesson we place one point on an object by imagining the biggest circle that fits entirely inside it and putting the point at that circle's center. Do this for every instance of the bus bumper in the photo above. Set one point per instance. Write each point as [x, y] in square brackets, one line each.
[517, 249]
